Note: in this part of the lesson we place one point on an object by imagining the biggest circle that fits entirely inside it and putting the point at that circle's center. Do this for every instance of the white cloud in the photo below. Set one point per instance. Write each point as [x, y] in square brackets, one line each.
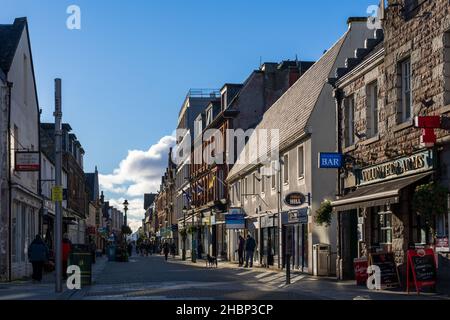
[140, 172]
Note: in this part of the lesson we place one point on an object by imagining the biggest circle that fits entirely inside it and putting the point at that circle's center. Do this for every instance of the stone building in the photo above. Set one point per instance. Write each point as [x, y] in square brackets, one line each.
[20, 199]
[304, 120]
[402, 72]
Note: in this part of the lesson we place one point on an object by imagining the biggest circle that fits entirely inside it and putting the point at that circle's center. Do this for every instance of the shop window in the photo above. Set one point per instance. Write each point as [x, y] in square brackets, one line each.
[447, 67]
[381, 227]
[349, 119]
[405, 107]
[420, 233]
[372, 110]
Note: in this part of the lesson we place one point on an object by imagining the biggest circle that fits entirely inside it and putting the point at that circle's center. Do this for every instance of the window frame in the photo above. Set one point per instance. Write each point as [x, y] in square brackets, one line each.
[404, 81]
[302, 175]
[349, 121]
[286, 172]
[372, 109]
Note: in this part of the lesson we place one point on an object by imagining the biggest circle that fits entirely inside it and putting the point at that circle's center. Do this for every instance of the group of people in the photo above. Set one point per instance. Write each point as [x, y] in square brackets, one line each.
[39, 254]
[248, 247]
[146, 248]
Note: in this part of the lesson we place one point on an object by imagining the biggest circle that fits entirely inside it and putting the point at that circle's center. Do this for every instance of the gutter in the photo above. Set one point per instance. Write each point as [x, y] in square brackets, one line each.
[8, 139]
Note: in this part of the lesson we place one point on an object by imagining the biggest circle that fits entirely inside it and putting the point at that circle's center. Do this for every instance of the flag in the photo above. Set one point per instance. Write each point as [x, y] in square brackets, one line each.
[211, 182]
[199, 189]
[188, 197]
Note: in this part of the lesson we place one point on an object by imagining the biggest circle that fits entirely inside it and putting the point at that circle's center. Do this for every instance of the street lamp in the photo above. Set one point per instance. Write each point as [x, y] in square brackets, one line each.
[184, 234]
[125, 208]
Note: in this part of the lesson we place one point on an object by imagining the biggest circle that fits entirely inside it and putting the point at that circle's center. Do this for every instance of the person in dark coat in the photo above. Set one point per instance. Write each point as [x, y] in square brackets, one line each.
[66, 251]
[38, 254]
[166, 250]
[240, 251]
[250, 246]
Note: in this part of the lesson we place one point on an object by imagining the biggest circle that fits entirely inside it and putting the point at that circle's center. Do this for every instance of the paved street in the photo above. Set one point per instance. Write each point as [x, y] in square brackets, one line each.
[151, 278]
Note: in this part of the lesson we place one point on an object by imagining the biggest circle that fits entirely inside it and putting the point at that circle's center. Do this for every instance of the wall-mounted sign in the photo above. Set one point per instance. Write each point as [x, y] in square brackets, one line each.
[269, 221]
[328, 160]
[300, 216]
[442, 245]
[235, 221]
[295, 199]
[419, 162]
[57, 194]
[27, 161]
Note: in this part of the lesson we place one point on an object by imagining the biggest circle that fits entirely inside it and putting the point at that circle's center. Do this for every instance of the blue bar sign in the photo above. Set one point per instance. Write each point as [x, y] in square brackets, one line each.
[329, 160]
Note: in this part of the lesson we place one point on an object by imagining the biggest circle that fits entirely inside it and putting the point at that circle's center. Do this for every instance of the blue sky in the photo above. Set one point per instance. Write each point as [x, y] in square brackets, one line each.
[126, 72]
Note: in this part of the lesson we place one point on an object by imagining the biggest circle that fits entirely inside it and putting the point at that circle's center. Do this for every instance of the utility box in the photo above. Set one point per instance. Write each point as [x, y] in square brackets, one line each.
[321, 260]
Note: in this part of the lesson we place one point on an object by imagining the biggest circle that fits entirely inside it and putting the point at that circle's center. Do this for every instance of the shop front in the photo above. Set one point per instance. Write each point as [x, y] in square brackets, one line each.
[269, 243]
[219, 236]
[379, 212]
[295, 233]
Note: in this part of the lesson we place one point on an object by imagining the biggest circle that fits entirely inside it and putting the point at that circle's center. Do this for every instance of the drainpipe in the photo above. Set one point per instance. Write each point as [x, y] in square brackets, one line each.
[338, 95]
[9, 86]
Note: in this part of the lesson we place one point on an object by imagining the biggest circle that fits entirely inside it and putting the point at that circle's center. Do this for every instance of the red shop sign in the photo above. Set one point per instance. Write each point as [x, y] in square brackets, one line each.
[422, 265]
[361, 266]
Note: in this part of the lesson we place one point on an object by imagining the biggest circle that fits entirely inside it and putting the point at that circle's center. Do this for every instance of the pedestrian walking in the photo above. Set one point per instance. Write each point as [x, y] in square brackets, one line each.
[240, 251]
[250, 246]
[166, 250]
[200, 250]
[130, 249]
[67, 249]
[38, 254]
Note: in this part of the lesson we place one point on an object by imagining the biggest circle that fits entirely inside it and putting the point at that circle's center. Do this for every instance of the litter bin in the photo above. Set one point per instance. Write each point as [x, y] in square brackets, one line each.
[83, 259]
[112, 253]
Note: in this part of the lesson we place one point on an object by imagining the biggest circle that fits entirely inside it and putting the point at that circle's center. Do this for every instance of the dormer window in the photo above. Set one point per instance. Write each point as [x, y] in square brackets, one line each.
[224, 100]
[209, 116]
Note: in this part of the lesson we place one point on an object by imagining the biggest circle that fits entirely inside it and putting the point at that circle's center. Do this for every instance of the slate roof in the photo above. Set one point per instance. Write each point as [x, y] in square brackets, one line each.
[9, 39]
[291, 113]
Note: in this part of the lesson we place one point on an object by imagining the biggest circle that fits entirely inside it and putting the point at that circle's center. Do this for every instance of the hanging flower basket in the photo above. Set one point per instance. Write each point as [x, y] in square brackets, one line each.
[324, 214]
[430, 200]
[192, 229]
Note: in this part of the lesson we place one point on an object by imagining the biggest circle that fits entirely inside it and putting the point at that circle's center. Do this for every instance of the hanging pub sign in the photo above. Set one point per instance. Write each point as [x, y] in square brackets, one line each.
[422, 265]
[295, 199]
[388, 267]
[27, 161]
[329, 160]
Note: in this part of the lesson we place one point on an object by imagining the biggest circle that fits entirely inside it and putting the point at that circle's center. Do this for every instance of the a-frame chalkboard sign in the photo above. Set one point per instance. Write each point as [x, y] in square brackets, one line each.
[389, 271]
[422, 266]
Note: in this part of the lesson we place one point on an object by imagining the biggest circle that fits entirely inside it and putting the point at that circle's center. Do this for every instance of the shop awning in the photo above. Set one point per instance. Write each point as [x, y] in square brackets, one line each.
[376, 195]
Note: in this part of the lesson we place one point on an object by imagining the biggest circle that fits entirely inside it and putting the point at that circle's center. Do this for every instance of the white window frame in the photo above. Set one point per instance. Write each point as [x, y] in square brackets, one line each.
[273, 178]
[406, 90]
[349, 110]
[286, 169]
[301, 175]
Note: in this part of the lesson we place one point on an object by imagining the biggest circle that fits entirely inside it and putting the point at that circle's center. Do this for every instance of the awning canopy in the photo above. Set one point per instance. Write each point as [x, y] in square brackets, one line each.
[377, 195]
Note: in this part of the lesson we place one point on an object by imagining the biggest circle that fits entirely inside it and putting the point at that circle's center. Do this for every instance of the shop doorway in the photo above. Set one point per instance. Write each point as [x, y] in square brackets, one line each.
[349, 236]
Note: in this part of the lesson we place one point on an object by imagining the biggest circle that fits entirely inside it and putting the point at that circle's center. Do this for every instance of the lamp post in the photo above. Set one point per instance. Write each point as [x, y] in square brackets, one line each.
[125, 208]
[184, 235]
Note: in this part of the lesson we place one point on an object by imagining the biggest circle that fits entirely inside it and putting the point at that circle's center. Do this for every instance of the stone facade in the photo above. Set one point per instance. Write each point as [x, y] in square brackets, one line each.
[422, 36]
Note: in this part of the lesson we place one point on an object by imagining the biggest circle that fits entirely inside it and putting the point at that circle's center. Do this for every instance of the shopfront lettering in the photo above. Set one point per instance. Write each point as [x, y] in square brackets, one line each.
[416, 163]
